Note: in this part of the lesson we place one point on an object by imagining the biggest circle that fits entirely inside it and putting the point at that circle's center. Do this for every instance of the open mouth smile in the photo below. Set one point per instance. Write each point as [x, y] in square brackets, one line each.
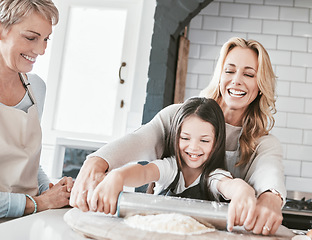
[194, 156]
[28, 57]
[236, 93]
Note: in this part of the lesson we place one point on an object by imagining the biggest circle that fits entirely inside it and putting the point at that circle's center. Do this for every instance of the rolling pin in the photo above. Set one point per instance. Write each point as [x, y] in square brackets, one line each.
[132, 203]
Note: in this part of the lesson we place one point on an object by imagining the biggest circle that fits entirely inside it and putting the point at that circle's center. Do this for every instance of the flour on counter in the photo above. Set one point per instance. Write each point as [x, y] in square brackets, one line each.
[168, 223]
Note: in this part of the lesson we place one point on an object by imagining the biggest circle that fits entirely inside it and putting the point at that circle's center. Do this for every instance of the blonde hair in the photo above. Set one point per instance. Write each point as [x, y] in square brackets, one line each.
[13, 11]
[258, 120]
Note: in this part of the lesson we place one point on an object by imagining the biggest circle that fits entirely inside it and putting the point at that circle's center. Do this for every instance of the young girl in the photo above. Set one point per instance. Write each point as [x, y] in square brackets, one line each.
[197, 147]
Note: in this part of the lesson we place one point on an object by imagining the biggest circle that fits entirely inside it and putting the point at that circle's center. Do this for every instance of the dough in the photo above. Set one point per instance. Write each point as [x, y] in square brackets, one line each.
[168, 223]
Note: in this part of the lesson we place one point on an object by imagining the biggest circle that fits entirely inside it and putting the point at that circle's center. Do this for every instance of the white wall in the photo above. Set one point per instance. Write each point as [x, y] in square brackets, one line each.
[284, 27]
[134, 118]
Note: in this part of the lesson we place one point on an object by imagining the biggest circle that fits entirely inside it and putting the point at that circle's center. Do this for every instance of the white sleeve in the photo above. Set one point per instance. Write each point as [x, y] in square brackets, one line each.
[168, 170]
[213, 179]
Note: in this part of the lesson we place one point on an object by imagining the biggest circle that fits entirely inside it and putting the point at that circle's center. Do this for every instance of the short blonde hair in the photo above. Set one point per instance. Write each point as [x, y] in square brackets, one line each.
[13, 11]
[258, 120]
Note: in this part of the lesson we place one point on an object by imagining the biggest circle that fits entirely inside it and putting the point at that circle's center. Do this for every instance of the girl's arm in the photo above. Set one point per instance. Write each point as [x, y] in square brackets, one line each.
[105, 195]
[243, 200]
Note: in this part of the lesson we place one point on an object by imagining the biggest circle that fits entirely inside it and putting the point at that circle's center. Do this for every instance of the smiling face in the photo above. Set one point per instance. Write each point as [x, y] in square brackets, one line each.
[21, 43]
[238, 84]
[196, 142]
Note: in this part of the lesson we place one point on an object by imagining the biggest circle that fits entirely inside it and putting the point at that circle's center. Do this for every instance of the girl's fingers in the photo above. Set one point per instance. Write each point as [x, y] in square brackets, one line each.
[94, 203]
[100, 206]
[113, 208]
[231, 218]
[243, 217]
[250, 218]
[106, 205]
[239, 211]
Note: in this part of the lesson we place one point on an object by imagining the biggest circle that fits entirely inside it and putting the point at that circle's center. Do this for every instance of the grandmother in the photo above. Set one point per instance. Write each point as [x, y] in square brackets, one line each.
[25, 27]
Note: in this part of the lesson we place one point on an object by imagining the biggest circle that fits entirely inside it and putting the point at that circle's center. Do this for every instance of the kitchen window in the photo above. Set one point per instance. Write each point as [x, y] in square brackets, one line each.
[87, 99]
[89, 67]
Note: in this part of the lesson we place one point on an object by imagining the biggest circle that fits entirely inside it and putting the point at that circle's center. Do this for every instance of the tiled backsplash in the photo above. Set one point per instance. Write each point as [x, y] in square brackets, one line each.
[284, 27]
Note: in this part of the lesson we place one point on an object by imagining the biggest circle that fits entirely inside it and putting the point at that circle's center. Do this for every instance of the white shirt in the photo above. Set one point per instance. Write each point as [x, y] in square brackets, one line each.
[168, 169]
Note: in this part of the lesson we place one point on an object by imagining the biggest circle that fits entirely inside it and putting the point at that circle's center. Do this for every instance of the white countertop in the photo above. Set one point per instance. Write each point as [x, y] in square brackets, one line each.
[50, 225]
[46, 225]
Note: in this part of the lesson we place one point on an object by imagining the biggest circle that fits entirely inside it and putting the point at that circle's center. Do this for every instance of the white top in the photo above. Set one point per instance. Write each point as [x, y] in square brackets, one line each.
[168, 169]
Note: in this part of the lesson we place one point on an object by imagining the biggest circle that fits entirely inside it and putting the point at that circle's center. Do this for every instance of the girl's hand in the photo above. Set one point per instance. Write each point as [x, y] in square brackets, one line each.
[243, 203]
[56, 196]
[105, 195]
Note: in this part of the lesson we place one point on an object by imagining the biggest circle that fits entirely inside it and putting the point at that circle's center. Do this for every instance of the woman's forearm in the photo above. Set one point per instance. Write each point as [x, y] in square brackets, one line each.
[267, 171]
[12, 204]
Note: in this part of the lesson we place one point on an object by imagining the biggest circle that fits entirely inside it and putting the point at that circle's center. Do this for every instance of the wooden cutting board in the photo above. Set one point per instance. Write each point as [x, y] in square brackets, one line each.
[106, 227]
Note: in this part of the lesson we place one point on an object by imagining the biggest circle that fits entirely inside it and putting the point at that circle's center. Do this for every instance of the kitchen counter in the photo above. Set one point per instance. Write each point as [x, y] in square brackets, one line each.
[46, 225]
[50, 225]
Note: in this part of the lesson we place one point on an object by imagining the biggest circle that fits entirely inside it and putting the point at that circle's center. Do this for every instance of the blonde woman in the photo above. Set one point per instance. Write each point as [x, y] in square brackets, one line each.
[244, 86]
[25, 27]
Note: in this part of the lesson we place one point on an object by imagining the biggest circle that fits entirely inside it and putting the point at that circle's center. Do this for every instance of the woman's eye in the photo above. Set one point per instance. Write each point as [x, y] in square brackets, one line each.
[205, 141]
[249, 75]
[30, 38]
[229, 71]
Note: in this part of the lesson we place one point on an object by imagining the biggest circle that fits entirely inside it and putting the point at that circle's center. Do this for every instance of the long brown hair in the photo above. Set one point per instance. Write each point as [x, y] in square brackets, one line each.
[258, 119]
[208, 110]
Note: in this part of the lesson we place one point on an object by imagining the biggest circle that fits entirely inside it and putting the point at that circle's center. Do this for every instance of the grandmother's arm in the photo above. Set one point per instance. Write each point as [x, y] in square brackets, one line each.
[12, 204]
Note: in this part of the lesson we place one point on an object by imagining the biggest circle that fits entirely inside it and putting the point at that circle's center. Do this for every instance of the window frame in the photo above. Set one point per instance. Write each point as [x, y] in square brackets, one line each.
[55, 68]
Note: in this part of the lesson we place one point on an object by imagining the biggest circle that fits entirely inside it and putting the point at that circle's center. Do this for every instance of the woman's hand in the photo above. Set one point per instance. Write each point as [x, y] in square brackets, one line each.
[105, 195]
[243, 202]
[56, 196]
[91, 174]
[268, 215]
